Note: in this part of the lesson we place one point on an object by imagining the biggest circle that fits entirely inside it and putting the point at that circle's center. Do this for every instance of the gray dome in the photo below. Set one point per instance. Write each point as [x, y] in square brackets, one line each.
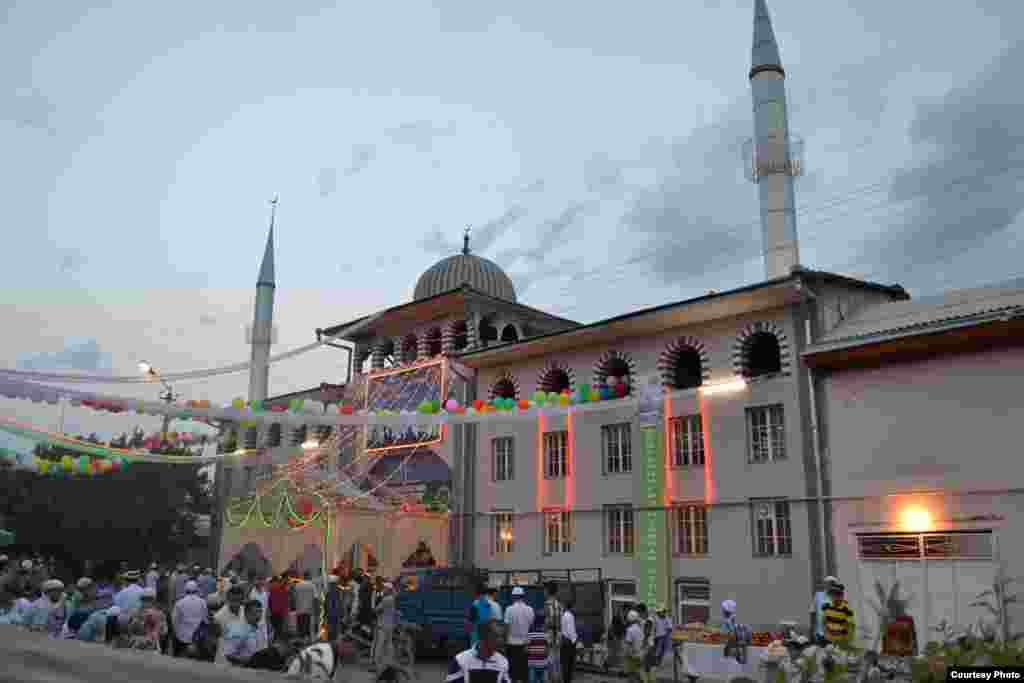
[465, 269]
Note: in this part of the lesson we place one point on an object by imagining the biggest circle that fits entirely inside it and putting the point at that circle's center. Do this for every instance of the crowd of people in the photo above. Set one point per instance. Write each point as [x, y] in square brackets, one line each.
[541, 646]
[232, 620]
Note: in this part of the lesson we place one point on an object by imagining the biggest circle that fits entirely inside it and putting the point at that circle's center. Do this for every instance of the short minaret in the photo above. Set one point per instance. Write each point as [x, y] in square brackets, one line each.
[263, 318]
[773, 163]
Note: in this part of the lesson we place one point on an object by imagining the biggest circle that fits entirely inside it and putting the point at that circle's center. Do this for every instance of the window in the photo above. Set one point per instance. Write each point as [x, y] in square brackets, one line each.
[763, 355]
[503, 522]
[556, 457]
[618, 449]
[687, 441]
[772, 530]
[501, 458]
[969, 545]
[691, 530]
[694, 600]
[767, 434]
[557, 532]
[618, 520]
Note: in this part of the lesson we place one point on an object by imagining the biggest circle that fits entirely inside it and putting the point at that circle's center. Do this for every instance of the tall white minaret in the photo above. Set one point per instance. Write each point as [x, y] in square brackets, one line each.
[263, 318]
[773, 164]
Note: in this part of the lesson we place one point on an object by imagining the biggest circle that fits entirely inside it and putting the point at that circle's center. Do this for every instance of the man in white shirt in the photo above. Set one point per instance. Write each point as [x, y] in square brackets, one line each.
[152, 576]
[129, 598]
[305, 595]
[231, 613]
[634, 654]
[569, 641]
[241, 639]
[481, 663]
[519, 618]
[189, 613]
[260, 592]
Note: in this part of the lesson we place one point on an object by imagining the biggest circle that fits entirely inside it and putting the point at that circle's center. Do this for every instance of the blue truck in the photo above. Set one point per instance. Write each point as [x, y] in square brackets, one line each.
[438, 600]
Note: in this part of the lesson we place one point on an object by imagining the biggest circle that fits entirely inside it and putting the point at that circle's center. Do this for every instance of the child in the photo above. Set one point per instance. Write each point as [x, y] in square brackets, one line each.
[537, 650]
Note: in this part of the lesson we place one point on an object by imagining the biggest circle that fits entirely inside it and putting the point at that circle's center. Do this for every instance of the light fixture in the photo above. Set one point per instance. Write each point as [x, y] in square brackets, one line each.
[731, 385]
[146, 369]
[309, 445]
[916, 518]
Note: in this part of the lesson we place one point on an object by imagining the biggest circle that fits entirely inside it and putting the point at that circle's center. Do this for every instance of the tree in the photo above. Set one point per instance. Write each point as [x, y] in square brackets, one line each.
[144, 512]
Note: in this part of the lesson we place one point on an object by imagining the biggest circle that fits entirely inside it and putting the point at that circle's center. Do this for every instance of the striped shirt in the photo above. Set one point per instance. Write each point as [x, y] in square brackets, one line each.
[469, 667]
[537, 649]
[838, 621]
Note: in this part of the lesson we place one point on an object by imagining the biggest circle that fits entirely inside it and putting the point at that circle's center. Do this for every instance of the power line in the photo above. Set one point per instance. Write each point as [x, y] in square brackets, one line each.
[809, 237]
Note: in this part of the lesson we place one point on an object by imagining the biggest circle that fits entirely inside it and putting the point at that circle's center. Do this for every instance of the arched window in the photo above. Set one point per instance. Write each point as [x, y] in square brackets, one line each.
[555, 377]
[614, 368]
[688, 371]
[409, 349]
[505, 387]
[683, 364]
[460, 335]
[387, 349]
[487, 332]
[509, 334]
[434, 342]
[761, 355]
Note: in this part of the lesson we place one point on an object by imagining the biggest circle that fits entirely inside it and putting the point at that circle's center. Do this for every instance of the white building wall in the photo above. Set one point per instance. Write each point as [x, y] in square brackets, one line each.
[731, 566]
[946, 425]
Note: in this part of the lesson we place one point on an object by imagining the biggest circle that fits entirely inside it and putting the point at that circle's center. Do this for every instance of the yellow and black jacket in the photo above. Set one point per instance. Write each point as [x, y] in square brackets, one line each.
[839, 624]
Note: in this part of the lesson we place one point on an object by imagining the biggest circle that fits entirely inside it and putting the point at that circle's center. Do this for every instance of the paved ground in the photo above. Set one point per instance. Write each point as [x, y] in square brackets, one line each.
[27, 657]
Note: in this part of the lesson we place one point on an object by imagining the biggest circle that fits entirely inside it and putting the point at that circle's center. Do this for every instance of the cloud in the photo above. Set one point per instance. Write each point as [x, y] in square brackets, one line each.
[481, 237]
[207, 320]
[29, 108]
[420, 134]
[603, 176]
[327, 181]
[969, 189]
[362, 156]
[77, 354]
[71, 260]
[536, 258]
[697, 215]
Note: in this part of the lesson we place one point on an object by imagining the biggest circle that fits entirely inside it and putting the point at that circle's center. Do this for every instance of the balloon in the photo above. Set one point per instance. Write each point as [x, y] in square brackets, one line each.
[435, 406]
[451, 405]
[553, 397]
[257, 406]
[524, 405]
[346, 409]
[604, 392]
[66, 462]
[238, 403]
[477, 404]
[44, 466]
[620, 390]
[595, 395]
[563, 400]
[585, 389]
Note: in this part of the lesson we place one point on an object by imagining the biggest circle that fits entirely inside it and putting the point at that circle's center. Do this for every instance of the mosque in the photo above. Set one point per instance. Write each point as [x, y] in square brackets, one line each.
[736, 467]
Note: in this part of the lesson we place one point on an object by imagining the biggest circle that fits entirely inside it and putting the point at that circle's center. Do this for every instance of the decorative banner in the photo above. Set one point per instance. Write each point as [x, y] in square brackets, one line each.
[652, 555]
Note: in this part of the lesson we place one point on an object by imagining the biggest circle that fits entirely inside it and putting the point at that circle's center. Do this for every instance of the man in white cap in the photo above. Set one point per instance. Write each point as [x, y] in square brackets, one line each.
[634, 648]
[518, 618]
[189, 613]
[821, 598]
[152, 576]
[387, 620]
[49, 611]
[129, 598]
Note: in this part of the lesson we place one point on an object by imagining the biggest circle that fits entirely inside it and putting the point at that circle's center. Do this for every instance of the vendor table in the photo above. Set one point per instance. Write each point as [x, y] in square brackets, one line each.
[699, 660]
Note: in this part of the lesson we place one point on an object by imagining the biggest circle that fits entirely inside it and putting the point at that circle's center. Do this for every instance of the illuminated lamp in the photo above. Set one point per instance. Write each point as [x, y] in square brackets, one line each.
[728, 386]
[309, 445]
[916, 518]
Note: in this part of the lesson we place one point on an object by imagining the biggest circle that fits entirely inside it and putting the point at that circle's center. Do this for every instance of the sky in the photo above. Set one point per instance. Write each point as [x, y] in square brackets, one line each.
[595, 148]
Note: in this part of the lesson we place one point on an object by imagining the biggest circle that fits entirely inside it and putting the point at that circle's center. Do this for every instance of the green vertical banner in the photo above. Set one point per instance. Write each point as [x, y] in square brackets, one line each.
[652, 553]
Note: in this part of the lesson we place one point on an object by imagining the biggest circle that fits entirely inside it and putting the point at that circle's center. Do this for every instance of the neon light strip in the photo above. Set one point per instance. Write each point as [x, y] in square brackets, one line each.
[670, 479]
[570, 456]
[709, 468]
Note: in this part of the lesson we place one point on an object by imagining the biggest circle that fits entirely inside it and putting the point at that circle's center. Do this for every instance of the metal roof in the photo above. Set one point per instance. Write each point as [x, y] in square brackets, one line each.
[903, 318]
[465, 269]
